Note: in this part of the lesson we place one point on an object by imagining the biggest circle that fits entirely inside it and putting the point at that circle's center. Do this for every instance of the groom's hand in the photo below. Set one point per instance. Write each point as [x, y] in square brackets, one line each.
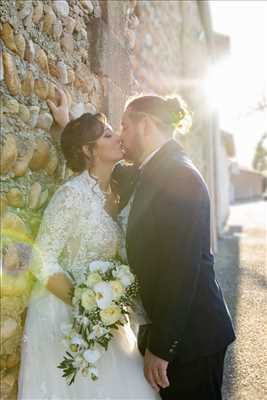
[155, 370]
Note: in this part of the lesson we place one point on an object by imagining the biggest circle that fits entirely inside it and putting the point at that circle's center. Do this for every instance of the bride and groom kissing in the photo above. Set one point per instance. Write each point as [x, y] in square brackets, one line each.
[156, 212]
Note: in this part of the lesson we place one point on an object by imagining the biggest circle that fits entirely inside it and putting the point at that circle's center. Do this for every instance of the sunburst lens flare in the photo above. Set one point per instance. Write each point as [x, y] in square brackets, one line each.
[16, 278]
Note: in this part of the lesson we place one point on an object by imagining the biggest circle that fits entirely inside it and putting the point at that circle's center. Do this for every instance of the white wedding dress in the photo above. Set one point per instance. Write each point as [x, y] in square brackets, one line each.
[75, 230]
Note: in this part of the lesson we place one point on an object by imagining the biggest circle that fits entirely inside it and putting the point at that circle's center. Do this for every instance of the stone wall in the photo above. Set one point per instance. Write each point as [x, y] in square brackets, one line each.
[99, 53]
[171, 57]
[44, 45]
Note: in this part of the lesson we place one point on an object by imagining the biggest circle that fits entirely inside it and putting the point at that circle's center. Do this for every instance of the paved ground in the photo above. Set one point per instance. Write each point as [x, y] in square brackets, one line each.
[241, 268]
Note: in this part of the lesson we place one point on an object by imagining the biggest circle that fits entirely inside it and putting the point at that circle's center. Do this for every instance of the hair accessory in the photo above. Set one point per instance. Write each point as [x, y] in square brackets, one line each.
[182, 121]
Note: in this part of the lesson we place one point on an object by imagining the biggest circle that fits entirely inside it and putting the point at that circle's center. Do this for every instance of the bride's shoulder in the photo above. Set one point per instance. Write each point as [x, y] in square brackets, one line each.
[74, 182]
[68, 192]
[78, 188]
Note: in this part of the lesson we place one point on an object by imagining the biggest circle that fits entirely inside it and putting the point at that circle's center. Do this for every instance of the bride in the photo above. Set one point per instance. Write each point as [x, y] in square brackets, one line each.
[79, 226]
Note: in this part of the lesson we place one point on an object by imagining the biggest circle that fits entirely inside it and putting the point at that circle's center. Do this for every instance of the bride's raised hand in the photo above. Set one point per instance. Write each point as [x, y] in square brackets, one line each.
[61, 111]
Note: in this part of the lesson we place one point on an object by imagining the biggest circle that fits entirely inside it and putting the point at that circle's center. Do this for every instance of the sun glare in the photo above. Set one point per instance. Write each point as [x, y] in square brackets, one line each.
[236, 84]
[220, 89]
[228, 90]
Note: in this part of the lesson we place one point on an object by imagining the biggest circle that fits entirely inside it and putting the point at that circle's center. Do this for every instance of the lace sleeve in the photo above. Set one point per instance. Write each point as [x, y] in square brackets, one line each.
[138, 316]
[55, 229]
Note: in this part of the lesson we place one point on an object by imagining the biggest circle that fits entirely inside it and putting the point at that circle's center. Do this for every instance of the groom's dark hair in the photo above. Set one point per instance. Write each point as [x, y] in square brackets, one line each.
[166, 111]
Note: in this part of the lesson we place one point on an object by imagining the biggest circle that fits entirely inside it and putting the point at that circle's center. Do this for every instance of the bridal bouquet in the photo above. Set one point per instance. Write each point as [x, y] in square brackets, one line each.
[100, 305]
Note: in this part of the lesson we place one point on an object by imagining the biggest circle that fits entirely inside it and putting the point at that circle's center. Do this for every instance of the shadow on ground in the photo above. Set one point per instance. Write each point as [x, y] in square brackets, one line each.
[228, 274]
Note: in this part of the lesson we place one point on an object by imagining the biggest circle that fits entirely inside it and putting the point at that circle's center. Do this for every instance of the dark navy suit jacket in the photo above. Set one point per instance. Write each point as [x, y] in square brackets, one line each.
[168, 247]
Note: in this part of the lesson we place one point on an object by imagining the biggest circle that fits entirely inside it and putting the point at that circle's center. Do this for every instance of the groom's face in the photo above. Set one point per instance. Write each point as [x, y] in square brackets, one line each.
[131, 138]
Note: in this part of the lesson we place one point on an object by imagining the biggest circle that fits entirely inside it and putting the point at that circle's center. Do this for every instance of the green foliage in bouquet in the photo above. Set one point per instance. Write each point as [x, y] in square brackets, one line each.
[100, 306]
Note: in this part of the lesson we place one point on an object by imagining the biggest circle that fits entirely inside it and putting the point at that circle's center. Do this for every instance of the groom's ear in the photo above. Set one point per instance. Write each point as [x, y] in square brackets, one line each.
[148, 125]
[145, 125]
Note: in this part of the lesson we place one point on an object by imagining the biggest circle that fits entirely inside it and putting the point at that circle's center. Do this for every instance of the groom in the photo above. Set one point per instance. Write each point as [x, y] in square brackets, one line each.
[168, 247]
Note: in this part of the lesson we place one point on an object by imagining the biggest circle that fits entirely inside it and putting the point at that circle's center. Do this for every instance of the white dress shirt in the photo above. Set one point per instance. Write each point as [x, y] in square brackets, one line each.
[148, 158]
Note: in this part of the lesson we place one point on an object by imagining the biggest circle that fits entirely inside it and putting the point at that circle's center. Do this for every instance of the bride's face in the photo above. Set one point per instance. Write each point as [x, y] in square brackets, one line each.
[108, 147]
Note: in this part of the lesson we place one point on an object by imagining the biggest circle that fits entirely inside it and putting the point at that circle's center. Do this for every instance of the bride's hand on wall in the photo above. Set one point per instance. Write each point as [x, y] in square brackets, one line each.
[61, 111]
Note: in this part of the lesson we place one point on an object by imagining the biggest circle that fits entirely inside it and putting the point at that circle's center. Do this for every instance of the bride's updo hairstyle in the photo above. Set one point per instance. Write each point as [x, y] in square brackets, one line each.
[169, 113]
[85, 130]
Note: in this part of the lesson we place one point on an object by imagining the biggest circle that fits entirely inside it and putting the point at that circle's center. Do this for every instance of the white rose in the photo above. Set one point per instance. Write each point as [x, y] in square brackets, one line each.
[125, 276]
[101, 266]
[127, 279]
[88, 300]
[92, 279]
[92, 355]
[110, 315]
[103, 294]
[118, 289]
[123, 273]
[120, 269]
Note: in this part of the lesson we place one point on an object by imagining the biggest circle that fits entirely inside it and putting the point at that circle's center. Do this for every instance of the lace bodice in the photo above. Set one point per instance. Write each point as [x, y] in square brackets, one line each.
[75, 230]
